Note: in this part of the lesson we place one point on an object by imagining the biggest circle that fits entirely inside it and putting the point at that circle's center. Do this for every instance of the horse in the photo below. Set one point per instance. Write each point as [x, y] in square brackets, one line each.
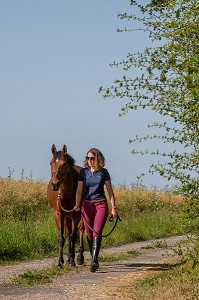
[61, 194]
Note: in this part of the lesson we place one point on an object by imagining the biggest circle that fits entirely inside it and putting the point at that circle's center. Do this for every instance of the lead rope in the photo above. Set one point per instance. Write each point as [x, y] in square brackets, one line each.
[59, 199]
[110, 220]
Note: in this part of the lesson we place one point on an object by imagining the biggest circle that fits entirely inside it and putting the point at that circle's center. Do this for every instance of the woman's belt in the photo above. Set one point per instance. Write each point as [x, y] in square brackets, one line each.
[93, 201]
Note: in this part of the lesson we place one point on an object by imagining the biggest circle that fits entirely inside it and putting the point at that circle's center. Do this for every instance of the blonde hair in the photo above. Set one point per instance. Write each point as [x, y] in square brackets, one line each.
[99, 158]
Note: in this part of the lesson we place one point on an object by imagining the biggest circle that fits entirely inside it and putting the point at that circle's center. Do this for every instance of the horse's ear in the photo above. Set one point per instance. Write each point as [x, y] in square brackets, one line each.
[53, 149]
[64, 149]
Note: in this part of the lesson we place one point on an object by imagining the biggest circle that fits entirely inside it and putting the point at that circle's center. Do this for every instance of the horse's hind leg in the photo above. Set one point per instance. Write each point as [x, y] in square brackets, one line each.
[71, 252]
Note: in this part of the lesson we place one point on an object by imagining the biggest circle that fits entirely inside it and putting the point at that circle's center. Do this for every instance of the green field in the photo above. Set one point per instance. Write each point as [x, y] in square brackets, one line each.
[28, 232]
[28, 229]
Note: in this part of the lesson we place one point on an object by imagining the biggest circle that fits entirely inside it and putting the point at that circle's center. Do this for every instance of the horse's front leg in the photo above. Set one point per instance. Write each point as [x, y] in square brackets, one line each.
[80, 256]
[73, 239]
[61, 239]
[71, 242]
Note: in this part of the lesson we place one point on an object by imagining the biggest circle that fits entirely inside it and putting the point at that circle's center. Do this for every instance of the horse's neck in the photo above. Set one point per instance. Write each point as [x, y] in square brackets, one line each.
[77, 168]
[70, 182]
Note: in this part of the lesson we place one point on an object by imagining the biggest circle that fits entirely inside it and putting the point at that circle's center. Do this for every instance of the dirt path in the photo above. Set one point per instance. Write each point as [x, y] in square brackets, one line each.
[112, 280]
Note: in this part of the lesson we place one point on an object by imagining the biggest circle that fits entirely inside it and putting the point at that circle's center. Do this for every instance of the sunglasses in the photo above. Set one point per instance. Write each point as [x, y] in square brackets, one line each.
[90, 158]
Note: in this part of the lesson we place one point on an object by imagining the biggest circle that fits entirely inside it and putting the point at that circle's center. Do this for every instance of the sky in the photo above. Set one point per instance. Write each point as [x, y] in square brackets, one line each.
[54, 56]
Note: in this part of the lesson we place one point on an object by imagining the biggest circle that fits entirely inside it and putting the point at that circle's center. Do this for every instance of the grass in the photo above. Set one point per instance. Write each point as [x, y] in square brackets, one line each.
[27, 240]
[28, 232]
[178, 283]
[111, 258]
[28, 229]
[158, 244]
[40, 277]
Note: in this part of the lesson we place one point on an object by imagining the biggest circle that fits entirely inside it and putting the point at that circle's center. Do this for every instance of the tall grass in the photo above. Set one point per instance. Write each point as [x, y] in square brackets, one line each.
[147, 215]
[28, 229]
[27, 223]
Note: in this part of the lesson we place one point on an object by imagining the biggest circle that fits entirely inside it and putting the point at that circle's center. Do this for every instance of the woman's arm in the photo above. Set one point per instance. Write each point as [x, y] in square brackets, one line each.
[112, 197]
[79, 193]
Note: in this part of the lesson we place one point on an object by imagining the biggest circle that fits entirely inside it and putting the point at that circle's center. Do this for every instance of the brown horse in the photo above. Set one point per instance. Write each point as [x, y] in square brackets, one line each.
[61, 194]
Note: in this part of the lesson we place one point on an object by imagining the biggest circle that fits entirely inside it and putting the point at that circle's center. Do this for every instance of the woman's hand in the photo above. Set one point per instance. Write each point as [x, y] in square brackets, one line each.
[76, 208]
[114, 211]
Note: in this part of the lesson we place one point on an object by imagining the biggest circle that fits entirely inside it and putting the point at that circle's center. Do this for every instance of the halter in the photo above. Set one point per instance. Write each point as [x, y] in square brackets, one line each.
[60, 181]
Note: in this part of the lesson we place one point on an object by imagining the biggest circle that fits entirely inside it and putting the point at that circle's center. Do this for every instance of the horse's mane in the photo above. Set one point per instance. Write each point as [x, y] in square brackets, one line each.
[60, 155]
[71, 160]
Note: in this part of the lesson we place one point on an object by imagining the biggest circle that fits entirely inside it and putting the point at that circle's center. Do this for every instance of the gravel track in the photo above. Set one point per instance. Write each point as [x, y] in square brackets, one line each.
[113, 280]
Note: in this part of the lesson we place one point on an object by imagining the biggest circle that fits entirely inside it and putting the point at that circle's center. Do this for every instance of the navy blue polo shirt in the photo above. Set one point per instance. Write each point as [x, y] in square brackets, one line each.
[93, 183]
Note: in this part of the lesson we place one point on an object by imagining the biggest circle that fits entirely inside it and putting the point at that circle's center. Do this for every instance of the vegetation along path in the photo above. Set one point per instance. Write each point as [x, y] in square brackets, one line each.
[113, 280]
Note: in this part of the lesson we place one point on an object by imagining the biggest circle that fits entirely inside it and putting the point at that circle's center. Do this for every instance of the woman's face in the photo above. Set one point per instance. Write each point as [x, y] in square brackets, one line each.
[90, 159]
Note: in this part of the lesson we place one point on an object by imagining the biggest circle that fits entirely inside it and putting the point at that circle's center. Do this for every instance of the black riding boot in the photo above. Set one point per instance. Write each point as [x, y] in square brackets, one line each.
[95, 252]
[90, 245]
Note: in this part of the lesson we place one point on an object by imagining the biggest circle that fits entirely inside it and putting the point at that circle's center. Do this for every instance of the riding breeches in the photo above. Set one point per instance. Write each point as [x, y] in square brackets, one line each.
[94, 217]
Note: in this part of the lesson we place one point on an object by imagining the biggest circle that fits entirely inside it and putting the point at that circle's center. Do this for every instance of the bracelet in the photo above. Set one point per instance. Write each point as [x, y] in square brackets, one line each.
[115, 207]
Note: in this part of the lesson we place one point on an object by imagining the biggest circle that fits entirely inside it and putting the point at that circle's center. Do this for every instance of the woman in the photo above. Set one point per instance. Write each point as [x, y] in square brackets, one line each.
[90, 193]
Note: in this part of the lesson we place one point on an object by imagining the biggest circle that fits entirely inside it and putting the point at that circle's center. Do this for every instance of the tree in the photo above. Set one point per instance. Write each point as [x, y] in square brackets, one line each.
[169, 85]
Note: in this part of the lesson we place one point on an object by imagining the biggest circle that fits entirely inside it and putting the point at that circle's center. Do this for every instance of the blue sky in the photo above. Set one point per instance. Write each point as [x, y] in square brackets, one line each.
[54, 56]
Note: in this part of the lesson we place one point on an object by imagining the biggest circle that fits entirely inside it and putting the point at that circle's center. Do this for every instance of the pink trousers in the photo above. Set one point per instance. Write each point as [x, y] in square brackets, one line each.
[94, 217]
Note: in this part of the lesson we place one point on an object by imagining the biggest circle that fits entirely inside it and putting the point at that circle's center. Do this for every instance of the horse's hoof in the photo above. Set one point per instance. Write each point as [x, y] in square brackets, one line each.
[80, 260]
[71, 263]
[60, 265]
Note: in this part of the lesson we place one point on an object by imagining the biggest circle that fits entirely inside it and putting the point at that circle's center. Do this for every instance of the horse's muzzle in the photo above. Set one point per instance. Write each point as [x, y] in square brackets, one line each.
[55, 186]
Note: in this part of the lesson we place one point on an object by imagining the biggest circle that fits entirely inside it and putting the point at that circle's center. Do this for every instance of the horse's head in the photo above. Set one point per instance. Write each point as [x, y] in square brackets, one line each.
[60, 165]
